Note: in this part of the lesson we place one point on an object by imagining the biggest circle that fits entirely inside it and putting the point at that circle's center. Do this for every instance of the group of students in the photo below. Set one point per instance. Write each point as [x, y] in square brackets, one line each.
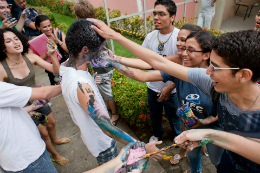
[203, 66]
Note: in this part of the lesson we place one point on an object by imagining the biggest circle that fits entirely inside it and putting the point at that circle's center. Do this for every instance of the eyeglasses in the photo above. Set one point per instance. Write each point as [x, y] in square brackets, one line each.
[218, 68]
[159, 14]
[190, 50]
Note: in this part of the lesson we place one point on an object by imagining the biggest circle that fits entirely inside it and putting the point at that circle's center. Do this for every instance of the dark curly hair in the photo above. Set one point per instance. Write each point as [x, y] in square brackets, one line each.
[240, 49]
[21, 37]
[80, 34]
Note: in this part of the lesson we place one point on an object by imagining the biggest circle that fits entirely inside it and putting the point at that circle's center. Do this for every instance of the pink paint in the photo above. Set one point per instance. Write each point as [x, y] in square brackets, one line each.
[135, 155]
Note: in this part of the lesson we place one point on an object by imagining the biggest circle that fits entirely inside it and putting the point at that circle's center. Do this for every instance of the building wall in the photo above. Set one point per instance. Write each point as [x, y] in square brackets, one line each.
[134, 6]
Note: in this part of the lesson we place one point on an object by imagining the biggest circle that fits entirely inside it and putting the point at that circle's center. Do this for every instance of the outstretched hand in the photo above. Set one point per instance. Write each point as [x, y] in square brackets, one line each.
[105, 60]
[151, 147]
[130, 157]
[51, 46]
[102, 29]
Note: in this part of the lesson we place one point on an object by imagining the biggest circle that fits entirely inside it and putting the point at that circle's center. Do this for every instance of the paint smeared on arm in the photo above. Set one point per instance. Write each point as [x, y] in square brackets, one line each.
[100, 115]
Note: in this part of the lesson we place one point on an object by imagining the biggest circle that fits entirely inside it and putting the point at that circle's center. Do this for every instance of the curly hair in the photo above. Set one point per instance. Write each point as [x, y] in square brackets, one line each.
[80, 34]
[240, 49]
[21, 37]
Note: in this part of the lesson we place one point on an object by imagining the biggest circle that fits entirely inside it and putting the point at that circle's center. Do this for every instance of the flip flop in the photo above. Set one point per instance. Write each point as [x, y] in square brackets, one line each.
[59, 161]
[116, 121]
[176, 157]
[64, 141]
[188, 171]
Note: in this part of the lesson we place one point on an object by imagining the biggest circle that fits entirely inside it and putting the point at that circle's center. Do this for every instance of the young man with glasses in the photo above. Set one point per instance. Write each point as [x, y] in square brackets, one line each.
[238, 104]
[163, 41]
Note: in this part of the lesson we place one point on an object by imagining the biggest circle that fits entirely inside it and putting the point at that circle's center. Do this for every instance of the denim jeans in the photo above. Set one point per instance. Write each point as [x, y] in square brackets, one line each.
[215, 154]
[156, 108]
[41, 165]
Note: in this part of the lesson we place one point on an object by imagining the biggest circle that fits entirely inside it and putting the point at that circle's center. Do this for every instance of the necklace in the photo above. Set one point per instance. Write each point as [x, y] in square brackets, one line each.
[161, 43]
[247, 109]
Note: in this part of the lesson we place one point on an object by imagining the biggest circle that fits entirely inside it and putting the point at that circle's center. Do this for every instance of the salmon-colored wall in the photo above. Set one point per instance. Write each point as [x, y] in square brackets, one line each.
[130, 6]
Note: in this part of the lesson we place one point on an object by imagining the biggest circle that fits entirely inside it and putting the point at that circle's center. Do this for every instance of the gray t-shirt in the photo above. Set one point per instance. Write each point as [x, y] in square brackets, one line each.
[231, 118]
[206, 6]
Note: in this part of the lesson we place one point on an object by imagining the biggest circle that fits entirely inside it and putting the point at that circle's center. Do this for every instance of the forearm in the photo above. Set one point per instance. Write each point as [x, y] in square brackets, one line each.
[210, 119]
[20, 24]
[133, 62]
[45, 92]
[63, 46]
[55, 63]
[45, 56]
[152, 58]
[238, 144]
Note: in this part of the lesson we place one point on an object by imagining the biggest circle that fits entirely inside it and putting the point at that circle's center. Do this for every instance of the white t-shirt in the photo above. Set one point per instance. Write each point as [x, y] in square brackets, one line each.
[206, 5]
[151, 42]
[91, 134]
[20, 140]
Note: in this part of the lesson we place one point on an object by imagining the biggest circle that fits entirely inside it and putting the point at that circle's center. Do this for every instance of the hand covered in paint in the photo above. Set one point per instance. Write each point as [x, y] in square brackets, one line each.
[151, 147]
[51, 46]
[191, 139]
[25, 13]
[130, 157]
[32, 107]
[98, 79]
[102, 29]
[105, 60]
[165, 93]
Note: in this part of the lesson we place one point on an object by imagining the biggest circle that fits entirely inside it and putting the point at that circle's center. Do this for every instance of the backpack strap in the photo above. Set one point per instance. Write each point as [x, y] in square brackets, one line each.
[214, 100]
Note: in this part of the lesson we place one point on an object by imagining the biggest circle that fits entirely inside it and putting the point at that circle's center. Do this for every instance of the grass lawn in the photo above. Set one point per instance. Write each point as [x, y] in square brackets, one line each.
[63, 19]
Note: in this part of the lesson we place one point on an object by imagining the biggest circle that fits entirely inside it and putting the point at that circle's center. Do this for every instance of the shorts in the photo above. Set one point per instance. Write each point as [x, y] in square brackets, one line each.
[108, 154]
[45, 110]
[105, 86]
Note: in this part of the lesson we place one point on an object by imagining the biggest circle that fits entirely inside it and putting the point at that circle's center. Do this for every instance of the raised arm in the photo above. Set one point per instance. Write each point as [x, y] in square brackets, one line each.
[88, 102]
[152, 58]
[245, 147]
[21, 21]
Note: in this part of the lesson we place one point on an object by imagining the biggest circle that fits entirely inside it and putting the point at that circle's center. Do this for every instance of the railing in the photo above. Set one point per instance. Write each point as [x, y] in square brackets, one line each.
[139, 13]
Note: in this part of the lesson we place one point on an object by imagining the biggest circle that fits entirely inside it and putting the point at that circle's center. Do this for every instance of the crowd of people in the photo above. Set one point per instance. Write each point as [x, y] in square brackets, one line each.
[216, 77]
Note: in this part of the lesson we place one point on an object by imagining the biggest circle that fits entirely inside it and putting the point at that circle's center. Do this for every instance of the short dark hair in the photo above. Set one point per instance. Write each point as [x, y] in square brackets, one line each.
[240, 49]
[21, 37]
[191, 27]
[204, 39]
[80, 34]
[169, 4]
[39, 19]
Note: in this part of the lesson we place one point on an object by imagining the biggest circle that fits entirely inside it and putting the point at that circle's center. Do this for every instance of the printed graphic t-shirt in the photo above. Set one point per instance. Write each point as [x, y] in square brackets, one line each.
[230, 117]
[190, 95]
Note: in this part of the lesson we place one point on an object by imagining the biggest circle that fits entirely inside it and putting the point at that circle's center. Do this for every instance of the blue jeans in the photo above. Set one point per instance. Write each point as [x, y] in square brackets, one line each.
[215, 154]
[156, 108]
[41, 165]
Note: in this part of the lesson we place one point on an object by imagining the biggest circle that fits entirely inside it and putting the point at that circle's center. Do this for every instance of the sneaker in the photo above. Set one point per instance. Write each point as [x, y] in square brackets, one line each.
[153, 139]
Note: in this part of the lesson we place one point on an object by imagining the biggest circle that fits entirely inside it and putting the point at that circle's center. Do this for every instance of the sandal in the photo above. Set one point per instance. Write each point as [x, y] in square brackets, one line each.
[115, 121]
[64, 141]
[176, 159]
[188, 171]
[60, 161]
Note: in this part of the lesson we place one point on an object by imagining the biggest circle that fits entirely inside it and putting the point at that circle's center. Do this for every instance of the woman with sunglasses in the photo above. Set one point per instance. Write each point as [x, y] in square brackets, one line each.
[16, 67]
[196, 53]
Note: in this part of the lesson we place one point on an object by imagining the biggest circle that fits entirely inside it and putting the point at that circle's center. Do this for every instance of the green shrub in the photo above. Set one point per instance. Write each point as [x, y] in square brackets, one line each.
[100, 14]
[131, 99]
[63, 26]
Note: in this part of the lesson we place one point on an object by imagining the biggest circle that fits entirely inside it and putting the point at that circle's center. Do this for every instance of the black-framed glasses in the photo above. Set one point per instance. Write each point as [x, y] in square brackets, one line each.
[159, 14]
[190, 50]
[219, 68]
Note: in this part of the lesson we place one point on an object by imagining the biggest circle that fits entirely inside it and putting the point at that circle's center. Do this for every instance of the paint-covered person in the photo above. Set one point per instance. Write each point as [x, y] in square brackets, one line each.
[233, 72]
[82, 96]
[84, 9]
[21, 146]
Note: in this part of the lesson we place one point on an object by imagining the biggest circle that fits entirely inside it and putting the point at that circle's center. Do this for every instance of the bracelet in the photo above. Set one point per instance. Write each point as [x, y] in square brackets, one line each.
[61, 44]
